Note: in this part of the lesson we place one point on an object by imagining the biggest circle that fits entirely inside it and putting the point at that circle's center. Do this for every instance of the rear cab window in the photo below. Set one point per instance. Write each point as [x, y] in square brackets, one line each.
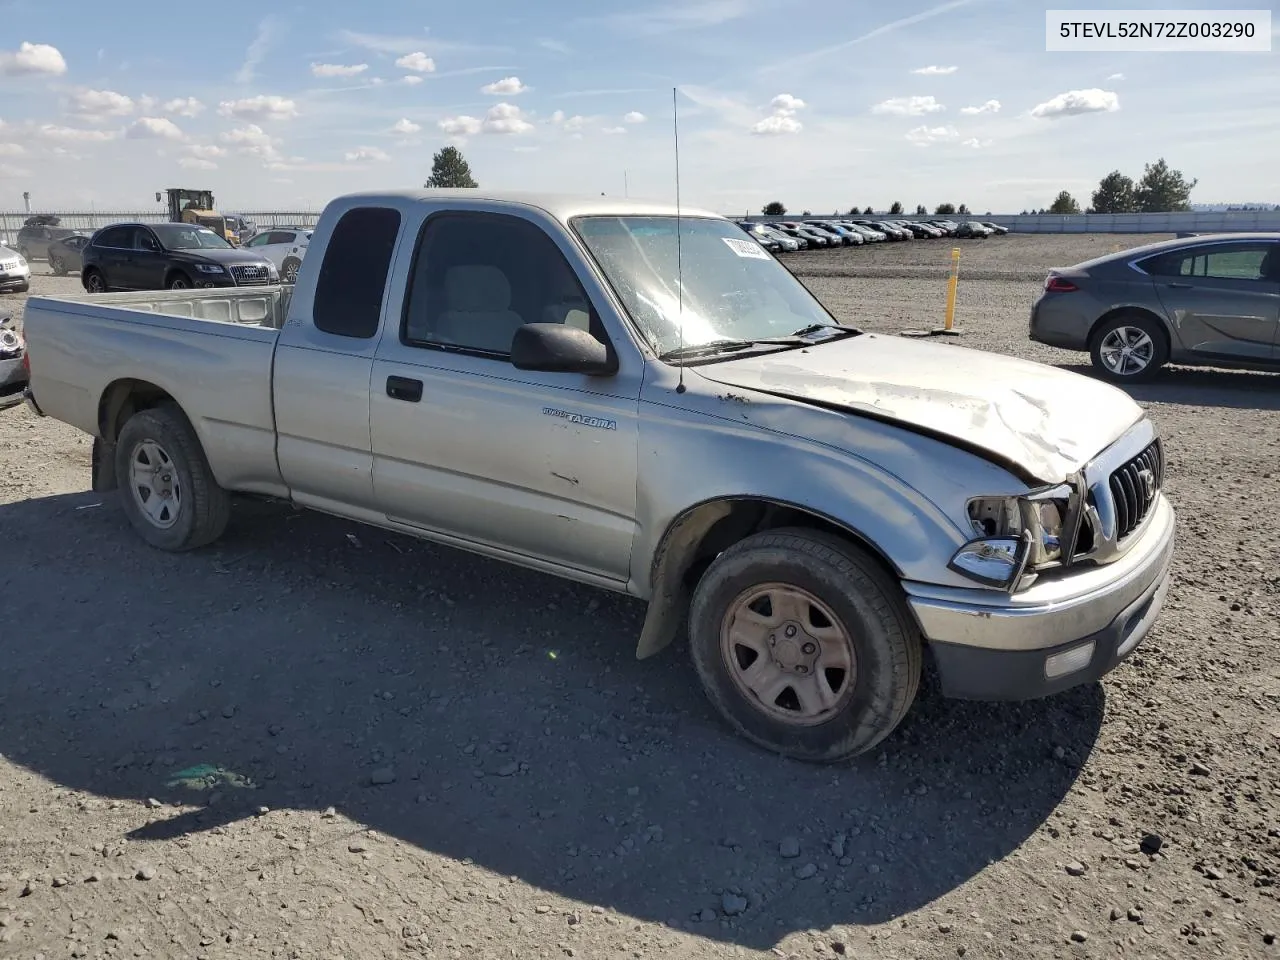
[353, 273]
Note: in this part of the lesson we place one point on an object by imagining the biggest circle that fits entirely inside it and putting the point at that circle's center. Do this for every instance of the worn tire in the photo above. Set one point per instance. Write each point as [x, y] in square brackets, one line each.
[204, 507]
[1151, 327]
[886, 643]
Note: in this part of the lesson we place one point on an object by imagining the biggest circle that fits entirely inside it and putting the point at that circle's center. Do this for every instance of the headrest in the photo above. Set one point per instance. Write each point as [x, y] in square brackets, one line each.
[477, 288]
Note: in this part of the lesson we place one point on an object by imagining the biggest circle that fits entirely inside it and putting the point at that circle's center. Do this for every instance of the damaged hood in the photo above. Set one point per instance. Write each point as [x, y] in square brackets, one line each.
[1044, 421]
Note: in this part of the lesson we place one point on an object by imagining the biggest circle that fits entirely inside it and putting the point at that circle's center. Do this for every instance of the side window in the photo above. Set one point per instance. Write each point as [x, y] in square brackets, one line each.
[113, 237]
[143, 239]
[353, 274]
[261, 240]
[1229, 262]
[478, 277]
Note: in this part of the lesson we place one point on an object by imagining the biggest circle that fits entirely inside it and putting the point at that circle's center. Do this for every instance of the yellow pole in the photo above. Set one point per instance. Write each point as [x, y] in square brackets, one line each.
[952, 282]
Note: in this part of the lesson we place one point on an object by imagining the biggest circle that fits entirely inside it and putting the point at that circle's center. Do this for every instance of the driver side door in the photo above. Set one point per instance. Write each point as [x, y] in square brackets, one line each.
[532, 465]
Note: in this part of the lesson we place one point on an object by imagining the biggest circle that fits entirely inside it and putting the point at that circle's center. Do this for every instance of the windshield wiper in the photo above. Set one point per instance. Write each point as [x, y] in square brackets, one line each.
[815, 327]
[707, 349]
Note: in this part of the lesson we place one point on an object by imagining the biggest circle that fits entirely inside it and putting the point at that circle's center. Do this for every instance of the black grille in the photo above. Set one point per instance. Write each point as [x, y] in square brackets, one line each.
[1132, 492]
[247, 275]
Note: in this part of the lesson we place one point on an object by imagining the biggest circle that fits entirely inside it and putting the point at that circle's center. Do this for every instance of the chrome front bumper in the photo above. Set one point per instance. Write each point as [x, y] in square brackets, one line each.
[1056, 634]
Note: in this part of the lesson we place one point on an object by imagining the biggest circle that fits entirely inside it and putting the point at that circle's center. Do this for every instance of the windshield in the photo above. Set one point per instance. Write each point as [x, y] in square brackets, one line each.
[732, 290]
[184, 237]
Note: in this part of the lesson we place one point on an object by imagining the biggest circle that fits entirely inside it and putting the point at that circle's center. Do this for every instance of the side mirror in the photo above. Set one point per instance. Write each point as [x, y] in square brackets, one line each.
[558, 348]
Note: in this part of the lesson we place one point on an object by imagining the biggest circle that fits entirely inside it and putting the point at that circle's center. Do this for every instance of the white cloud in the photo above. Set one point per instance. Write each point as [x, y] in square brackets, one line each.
[196, 163]
[908, 106]
[418, 61]
[268, 28]
[782, 119]
[183, 106]
[405, 127]
[154, 128]
[935, 71]
[8, 171]
[507, 86]
[12, 150]
[614, 130]
[205, 150]
[252, 140]
[338, 69]
[572, 124]
[411, 80]
[259, 108]
[32, 58]
[365, 154]
[376, 81]
[991, 106]
[59, 134]
[1075, 102]
[923, 136]
[778, 123]
[100, 104]
[462, 126]
[1116, 76]
[147, 104]
[976, 143]
[506, 118]
[635, 116]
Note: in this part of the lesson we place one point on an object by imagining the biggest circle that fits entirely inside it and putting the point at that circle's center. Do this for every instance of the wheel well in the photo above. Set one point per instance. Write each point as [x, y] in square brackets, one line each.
[701, 534]
[1122, 311]
[175, 272]
[122, 400]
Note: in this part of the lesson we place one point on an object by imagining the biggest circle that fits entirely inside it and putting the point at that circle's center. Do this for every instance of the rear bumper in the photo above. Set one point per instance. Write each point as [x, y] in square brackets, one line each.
[1055, 635]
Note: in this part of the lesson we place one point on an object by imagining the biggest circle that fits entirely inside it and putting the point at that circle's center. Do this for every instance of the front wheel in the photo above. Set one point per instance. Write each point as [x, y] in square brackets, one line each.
[167, 488]
[804, 645]
[179, 281]
[1128, 348]
[289, 269]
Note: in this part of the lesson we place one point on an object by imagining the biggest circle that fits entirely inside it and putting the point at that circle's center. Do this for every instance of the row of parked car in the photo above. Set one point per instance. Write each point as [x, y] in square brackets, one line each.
[153, 256]
[788, 236]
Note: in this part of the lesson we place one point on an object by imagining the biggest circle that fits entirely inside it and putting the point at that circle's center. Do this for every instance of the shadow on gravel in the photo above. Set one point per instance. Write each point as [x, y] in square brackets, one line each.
[304, 655]
[1201, 387]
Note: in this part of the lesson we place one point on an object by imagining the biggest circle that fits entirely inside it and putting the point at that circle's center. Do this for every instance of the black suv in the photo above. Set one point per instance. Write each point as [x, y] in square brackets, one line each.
[36, 235]
[169, 256]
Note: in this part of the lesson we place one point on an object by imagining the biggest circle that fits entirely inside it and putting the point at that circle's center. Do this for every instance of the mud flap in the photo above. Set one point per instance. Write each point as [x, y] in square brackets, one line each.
[103, 460]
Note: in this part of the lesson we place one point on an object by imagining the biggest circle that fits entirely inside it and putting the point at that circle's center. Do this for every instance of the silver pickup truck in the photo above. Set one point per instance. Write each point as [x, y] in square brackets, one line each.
[652, 404]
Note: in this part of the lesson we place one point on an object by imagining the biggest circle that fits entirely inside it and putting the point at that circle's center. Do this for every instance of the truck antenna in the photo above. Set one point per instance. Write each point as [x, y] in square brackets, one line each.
[675, 128]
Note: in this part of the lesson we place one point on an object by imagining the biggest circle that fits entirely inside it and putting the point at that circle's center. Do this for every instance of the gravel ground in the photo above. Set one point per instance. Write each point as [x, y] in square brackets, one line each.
[316, 740]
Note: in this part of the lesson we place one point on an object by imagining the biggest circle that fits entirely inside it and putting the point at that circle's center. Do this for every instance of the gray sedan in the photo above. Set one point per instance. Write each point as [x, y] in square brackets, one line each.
[1206, 301]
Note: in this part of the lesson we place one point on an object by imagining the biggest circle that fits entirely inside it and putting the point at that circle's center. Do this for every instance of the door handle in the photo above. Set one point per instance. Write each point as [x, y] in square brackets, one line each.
[404, 388]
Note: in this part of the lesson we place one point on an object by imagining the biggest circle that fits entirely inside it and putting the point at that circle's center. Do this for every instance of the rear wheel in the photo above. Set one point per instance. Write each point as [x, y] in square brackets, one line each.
[167, 489]
[1129, 348]
[804, 645]
[93, 281]
[25, 253]
[289, 269]
[57, 266]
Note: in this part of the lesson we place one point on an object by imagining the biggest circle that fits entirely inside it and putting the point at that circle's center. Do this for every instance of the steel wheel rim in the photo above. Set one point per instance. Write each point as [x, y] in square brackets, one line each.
[155, 485]
[788, 654]
[1126, 350]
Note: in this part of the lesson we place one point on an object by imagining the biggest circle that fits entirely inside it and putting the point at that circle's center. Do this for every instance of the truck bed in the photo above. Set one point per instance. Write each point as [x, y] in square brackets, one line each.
[211, 350]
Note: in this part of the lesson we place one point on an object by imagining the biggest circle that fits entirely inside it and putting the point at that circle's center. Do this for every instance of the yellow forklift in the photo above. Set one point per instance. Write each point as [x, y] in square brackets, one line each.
[196, 206]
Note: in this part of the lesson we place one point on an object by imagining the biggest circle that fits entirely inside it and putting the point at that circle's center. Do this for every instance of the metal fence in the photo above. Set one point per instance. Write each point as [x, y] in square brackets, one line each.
[1207, 221]
[11, 221]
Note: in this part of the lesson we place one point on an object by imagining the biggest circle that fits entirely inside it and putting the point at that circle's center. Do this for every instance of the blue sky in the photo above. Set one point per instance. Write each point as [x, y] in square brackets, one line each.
[820, 105]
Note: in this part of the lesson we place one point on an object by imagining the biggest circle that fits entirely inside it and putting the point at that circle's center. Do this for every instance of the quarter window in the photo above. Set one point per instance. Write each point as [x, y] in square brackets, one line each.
[1235, 261]
[478, 277]
[353, 274]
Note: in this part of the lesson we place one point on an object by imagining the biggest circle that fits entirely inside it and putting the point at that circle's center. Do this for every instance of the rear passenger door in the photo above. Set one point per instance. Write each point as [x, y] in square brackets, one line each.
[320, 382]
[537, 465]
[1223, 299]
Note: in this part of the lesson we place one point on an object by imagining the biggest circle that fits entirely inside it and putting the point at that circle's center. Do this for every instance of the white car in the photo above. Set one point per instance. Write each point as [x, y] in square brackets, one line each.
[283, 246]
[15, 272]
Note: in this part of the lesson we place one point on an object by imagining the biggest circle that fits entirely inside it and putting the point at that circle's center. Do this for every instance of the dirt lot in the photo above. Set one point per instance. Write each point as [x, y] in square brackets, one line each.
[189, 745]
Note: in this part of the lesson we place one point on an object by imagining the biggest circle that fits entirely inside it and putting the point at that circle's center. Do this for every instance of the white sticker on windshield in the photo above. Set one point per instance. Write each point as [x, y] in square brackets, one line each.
[746, 248]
